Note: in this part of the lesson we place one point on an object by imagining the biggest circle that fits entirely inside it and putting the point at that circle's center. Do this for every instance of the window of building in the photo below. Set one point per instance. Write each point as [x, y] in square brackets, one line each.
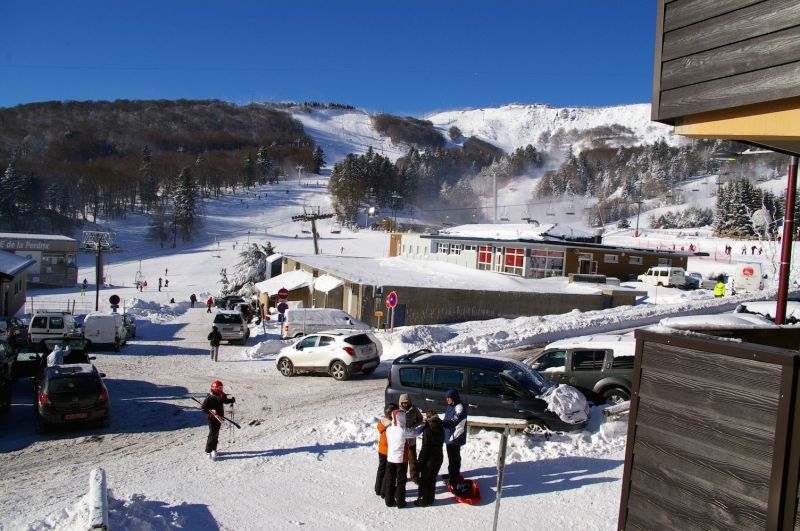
[546, 263]
[444, 248]
[611, 258]
[635, 260]
[485, 257]
[456, 248]
[71, 260]
[411, 377]
[665, 262]
[470, 248]
[514, 260]
[403, 249]
[444, 379]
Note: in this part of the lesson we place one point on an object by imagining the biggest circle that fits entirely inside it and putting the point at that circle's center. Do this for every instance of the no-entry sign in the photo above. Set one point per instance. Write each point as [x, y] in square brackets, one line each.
[391, 299]
[283, 293]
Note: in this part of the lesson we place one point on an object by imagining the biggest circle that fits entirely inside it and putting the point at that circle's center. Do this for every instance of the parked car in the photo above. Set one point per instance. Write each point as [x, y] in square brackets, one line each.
[301, 321]
[489, 386]
[339, 353]
[222, 301]
[600, 366]
[232, 325]
[71, 394]
[6, 379]
[694, 280]
[232, 301]
[105, 330]
[12, 329]
[26, 360]
[48, 324]
[664, 276]
[130, 324]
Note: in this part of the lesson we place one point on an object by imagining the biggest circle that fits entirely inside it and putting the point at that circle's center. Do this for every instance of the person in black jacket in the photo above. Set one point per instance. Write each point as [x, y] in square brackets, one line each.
[214, 338]
[430, 459]
[213, 405]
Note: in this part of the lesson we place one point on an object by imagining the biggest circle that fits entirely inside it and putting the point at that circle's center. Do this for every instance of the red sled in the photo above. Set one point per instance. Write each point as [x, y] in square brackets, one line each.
[465, 491]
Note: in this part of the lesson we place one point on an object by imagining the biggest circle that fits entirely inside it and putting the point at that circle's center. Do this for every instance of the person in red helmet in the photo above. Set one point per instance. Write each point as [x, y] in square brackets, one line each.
[213, 405]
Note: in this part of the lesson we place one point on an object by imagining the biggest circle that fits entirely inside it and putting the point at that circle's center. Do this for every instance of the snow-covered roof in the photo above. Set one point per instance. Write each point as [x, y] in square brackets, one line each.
[399, 272]
[26, 236]
[292, 280]
[273, 257]
[12, 264]
[769, 308]
[718, 322]
[515, 232]
[327, 283]
[622, 344]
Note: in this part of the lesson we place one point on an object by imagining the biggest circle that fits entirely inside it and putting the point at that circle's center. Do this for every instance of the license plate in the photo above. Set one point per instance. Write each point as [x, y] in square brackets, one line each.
[76, 416]
[227, 329]
[369, 365]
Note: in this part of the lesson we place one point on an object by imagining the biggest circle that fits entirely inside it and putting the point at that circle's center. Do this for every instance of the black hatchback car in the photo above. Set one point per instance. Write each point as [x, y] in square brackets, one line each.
[71, 394]
[489, 386]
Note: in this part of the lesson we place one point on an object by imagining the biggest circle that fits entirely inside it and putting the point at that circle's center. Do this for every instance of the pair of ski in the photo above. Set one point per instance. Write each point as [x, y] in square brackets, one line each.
[220, 418]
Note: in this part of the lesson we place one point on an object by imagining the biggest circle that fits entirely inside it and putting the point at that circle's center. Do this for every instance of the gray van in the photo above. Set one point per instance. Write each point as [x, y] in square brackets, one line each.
[489, 386]
[301, 321]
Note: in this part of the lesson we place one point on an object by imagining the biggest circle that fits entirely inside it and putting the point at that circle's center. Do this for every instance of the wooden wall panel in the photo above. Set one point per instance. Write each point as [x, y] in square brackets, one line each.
[760, 19]
[752, 54]
[681, 13]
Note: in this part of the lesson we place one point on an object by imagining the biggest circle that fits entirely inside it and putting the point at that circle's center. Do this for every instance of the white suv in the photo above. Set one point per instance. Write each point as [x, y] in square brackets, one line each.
[337, 352]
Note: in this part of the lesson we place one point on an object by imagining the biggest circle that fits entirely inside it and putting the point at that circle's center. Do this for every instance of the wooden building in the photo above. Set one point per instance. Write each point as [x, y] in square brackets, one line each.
[729, 69]
[13, 282]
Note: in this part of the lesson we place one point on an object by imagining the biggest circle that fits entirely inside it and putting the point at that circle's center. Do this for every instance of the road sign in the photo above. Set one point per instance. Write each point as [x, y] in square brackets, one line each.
[282, 307]
[391, 299]
[114, 299]
[283, 293]
[378, 313]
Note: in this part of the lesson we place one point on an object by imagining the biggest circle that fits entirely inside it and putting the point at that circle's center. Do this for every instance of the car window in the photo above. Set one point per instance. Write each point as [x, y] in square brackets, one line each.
[428, 378]
[444, 379]
[485, 383]
[525, 377]
[78, 383]
[39, 322]
[56, 322]
[358, 340]
[228, 318]
[588, 360]
[411, 377]
[307, 342]
[325, 341]
[551, 360]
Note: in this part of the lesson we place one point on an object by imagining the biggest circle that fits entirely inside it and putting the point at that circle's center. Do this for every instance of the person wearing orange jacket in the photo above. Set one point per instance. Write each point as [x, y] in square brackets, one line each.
[383, 445]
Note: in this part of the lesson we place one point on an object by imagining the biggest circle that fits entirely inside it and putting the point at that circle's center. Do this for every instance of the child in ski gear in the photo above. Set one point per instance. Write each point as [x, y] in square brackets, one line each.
[394, 482]
[213, 405]
[413, 419]
[455, 434]
[430, 459]
[215, 338]
[382, 424]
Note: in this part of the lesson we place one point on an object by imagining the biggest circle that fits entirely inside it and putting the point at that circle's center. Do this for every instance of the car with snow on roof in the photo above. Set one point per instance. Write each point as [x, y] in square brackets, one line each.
[490, 386]
[601, 365]
[70, 394]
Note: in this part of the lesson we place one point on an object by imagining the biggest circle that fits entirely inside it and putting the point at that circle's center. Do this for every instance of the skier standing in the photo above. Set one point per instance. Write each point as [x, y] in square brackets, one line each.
[213, 405]
[455, 434]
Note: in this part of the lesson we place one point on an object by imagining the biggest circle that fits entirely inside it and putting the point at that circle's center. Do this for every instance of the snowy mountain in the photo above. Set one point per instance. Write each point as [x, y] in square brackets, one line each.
[509, 127]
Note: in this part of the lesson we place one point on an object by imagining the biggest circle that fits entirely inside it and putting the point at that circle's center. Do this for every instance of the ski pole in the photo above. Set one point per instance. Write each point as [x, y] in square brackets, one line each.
[216, 415]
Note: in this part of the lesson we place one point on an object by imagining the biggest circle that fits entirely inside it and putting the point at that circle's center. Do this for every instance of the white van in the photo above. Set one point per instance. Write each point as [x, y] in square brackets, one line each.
[302, 321]
[747, 276]
[51, 324]
[664, 276]
[105, 330]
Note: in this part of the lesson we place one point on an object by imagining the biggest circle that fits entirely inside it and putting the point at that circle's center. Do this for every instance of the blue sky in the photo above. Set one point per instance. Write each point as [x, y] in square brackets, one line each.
[403, 57]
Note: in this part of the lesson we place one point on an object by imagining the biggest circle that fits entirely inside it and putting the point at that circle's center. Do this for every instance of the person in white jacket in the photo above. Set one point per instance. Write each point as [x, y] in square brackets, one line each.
[394, 482]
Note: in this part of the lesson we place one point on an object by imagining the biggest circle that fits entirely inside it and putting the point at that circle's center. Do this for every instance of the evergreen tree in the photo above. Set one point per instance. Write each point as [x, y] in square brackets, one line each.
[264, 164]
[184, 201]
[223, 279]
[148, 191]
[251, 269]
[319, 159]
[10, 188]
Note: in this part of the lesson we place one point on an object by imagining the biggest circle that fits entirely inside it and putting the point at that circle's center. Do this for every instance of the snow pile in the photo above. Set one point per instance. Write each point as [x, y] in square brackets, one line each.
[266, 350]
[344, 429]
[566, 402]
[75, 516]
[154, 311]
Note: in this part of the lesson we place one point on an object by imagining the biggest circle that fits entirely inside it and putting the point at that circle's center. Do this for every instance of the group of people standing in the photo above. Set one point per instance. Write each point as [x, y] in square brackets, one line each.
[397, 449]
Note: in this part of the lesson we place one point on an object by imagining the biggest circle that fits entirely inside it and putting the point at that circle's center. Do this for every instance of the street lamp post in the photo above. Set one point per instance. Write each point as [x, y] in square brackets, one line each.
[395, 200]
[638, 209]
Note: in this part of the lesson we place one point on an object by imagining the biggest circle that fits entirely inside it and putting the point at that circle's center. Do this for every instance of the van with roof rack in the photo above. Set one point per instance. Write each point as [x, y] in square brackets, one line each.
[489, 386]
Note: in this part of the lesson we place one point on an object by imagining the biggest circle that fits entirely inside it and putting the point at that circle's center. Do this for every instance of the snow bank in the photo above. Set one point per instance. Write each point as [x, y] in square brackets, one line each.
[266, 350]
[156, 312]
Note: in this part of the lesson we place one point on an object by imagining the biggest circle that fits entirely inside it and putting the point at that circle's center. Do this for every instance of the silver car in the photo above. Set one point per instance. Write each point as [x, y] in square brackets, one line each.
[232, 325]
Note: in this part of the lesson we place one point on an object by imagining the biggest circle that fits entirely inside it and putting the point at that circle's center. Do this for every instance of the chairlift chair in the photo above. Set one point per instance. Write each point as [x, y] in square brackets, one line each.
[549, 211]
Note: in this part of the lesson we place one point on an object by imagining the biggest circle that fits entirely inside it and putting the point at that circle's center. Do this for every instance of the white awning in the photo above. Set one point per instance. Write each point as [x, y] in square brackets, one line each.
[291, 281]
[274, 256]
[327, 283]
